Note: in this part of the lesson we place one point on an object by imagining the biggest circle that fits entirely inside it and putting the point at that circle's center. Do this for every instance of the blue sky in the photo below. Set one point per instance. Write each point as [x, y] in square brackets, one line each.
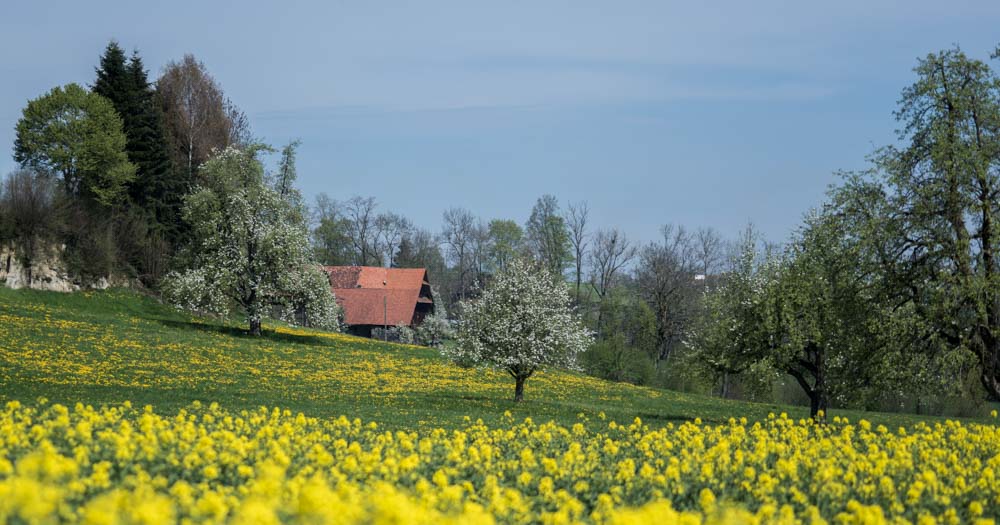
[698, 113]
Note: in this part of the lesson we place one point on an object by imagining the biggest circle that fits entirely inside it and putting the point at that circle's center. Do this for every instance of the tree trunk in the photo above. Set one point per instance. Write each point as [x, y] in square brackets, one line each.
[817, 402]
[990, 383]
[519, 388]
[819, 396]
[255, 326]
[579, 271]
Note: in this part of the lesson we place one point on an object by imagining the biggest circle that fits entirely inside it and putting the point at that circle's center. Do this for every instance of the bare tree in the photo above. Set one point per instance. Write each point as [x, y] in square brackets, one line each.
[239, 125]
[331, 241]
[27, 205]
[709, 250]
[480, 250]
[610, 253]
[576, 222]
[390, 230]
[420, 249]
[666, 276]
[360, 215]
[197, 116]
[458, 233]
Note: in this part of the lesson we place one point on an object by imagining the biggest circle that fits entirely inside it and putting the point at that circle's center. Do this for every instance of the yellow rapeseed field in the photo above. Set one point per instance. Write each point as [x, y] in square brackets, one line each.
[207, 465]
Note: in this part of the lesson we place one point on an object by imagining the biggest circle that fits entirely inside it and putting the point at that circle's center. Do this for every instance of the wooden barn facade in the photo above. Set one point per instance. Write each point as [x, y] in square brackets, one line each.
[374, 297]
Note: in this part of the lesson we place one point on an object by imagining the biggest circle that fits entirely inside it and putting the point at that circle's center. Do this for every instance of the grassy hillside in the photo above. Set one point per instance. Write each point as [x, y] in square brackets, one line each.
[109, 347]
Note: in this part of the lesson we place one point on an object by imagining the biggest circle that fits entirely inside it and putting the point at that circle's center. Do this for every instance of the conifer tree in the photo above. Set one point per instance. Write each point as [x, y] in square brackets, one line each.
[157, 189]
[126, 85]
[113, 82]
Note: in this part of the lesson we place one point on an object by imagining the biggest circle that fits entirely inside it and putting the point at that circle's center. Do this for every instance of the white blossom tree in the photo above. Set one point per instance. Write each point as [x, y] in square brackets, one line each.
[523, 321]
[307, 299]
[249, 246]
[435, 328]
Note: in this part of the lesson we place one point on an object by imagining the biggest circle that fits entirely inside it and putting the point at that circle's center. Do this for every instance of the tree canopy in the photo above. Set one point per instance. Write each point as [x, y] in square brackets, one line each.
[522, 322]
[155, 189]
[78, 136]
[249, 246]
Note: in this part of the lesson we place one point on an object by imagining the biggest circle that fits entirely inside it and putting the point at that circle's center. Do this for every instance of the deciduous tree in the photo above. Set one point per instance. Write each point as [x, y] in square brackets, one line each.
[331, 237]
[78, 136]
[247, 248]
[457, 233]
[666, 279]
[523, 321]
[361, 213]
[812, 312]
[547, 236]
[609, 254]
[506, 238]
[579, 238]
[929, 209]
[198, 117]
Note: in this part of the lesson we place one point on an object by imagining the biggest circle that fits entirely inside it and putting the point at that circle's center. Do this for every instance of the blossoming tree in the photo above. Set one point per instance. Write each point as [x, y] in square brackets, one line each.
[522, 322]
[249, 247]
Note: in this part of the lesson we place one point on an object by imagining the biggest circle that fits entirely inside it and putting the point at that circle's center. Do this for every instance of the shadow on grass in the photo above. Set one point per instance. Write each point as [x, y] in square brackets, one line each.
[663, 418]
[267, 335]
[465, 396]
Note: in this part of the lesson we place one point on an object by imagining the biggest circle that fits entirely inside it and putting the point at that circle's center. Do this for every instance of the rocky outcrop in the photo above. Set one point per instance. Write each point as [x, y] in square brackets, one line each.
[47, 272]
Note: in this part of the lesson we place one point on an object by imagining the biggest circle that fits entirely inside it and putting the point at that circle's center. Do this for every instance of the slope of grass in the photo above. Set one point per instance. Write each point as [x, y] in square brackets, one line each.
[109, 347]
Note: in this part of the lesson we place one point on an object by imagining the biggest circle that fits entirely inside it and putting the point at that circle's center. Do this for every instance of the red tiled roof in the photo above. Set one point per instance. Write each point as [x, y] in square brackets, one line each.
[376, 296]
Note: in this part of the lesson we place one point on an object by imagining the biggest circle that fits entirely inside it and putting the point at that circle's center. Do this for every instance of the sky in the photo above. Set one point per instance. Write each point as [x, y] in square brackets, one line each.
[705, 114]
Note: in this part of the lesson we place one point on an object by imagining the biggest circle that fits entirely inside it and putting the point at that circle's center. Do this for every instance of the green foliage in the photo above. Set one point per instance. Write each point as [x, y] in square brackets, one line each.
[926, 215]
[812, 313]
[547, 236]
[506, 239]
[113, 80]
[331, 238]
[78, 136]
[284, 179]
[829, 317]
[155, 190]
[626, 348]
[612, 358]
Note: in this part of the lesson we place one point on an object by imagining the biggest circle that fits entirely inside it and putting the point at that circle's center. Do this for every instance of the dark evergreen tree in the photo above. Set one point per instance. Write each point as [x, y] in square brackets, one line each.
[157, 189]
[406, 256]
[113, 81]
[154, 191]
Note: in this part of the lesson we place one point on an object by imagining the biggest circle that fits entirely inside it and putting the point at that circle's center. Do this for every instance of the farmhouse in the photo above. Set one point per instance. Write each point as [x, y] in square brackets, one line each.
[375, 297]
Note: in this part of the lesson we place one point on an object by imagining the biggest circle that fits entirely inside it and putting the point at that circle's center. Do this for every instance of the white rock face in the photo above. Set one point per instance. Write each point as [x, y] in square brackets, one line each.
[47, 272]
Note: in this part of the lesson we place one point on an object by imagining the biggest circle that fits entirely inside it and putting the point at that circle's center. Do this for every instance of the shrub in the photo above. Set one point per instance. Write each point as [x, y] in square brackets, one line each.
[396, 334]
[434, 330]
[27, 214]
